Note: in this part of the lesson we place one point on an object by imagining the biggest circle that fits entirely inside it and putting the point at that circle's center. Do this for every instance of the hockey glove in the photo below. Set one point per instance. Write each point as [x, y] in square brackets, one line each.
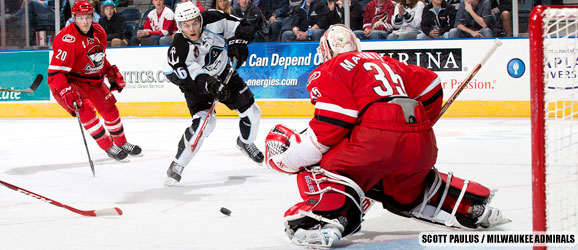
[69, 96]
[214, 86]
[238, 49]
[115, 79]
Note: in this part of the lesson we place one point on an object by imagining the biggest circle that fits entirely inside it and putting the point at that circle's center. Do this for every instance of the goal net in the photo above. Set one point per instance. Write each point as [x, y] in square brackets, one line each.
[554, 107]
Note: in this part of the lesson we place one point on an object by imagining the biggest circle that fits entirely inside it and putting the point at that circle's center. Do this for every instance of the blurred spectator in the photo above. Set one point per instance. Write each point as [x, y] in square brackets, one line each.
[199, 5]
[114, 25]
[279, 13]
[236, 3]
[309, 22]
[377, 20]
[502, 9]
[40, 17]
[255, 17]
[207, 4]
[406, 19]
[65, 11]
[437, 19]
[158, 28]
[224, 6]
[472, 19]
[337, 13]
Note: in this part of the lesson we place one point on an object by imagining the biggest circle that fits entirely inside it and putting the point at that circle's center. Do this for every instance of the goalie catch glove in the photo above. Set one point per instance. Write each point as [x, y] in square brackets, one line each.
[288, 152]
[238, 49]
[115, 79]
[213, 86]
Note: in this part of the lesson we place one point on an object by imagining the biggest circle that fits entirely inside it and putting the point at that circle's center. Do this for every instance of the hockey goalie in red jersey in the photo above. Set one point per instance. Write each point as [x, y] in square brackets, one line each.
[76, 77]
[371, 139]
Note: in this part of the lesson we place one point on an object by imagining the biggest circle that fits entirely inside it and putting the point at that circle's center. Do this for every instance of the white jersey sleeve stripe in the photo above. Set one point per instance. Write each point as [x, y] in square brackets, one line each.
[336, 109]
[430, 87]
[53, 67]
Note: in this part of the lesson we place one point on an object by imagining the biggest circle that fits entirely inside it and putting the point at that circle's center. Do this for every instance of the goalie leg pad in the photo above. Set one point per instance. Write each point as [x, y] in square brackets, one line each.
[249, 123]
[185, 151]
[331, 203]
[454, 202]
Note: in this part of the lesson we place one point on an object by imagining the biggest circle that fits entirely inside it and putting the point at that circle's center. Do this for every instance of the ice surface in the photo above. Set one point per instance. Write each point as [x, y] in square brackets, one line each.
[47, 156]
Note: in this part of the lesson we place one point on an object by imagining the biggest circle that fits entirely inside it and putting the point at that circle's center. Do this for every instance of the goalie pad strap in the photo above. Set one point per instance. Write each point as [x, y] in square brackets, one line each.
[326, 196]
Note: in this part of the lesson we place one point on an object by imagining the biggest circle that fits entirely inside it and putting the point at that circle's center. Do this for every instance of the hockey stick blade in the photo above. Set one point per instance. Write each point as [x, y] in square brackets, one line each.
[31, 89]
[92, 213]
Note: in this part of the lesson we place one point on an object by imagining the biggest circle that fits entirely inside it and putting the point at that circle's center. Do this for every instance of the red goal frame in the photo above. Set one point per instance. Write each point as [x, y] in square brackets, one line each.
[536, 32]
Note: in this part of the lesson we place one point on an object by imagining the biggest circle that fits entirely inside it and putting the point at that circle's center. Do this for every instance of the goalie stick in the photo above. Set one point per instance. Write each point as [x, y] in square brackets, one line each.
[31, 89]
[497, 43]
[93, 213]
[212, 108]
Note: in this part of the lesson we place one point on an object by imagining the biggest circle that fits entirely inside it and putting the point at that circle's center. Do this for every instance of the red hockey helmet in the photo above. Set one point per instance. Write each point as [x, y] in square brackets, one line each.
[82, 8]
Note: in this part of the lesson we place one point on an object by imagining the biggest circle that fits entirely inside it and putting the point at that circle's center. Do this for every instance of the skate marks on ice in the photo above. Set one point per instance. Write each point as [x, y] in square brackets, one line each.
[30, 170]
[182, 192]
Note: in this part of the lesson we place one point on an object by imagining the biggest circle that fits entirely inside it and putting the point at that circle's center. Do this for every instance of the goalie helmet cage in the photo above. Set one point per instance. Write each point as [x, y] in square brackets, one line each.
[554, 116]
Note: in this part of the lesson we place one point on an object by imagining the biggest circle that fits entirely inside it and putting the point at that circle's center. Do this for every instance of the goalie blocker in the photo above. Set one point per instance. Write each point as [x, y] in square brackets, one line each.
[333, 205]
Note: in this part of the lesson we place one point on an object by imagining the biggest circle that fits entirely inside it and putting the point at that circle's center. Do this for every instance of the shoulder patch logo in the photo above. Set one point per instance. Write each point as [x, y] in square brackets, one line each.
[68, 38]
[313, 76]
[173, 58]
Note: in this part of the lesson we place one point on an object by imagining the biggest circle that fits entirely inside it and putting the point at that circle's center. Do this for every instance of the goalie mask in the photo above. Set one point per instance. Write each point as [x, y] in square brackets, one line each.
[336, 40]
[187, 11]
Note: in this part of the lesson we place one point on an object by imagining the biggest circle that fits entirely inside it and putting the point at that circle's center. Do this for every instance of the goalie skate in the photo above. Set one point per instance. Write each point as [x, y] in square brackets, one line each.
[250, 150]
[490, 217]
[116, 153]
[173, 174]
[320, 236]
[131, 149]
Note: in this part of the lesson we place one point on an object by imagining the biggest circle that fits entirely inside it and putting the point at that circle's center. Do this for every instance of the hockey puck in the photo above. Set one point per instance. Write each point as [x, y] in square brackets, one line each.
[225, 211]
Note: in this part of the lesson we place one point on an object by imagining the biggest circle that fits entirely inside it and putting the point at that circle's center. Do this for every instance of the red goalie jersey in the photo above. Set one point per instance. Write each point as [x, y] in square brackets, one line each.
[78, 58]
[343, 86]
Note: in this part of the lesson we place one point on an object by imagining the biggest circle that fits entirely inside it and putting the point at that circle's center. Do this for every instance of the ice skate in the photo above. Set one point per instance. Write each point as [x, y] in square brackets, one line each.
[488, 216]
[173, 174]
[250, 150]
[131, 149]
[320, 236]
[116, 153]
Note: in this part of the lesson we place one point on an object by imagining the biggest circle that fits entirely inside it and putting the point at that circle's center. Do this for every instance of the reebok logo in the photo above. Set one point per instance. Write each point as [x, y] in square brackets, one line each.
[62, 92]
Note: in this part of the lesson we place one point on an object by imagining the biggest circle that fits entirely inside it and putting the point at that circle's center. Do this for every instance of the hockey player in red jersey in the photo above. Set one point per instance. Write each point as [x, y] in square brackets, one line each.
[371, 136]
[76, 76]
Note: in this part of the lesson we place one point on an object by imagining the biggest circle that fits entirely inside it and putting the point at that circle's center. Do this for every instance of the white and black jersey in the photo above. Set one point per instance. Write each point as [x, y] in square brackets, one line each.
[208, 55]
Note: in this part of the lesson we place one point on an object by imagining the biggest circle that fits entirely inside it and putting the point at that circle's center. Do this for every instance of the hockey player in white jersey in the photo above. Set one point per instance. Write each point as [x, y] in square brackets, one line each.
[198, 64]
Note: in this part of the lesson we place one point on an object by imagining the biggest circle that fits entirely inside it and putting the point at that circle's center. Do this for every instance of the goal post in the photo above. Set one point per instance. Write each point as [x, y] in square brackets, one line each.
[554, 115]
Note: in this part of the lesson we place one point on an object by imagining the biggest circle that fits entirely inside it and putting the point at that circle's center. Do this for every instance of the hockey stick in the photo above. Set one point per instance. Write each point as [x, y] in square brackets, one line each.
[84, 139]
[31, 89]
[212, 108]
[497, 43]
[100, 212]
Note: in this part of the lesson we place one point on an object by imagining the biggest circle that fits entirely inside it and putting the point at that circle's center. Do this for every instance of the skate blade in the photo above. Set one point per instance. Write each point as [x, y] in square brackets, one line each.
[247, 154]
[169, 182]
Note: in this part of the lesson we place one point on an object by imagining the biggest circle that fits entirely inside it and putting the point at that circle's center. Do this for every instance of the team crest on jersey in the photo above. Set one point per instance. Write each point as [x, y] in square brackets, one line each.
[68, 38]
[96, 58]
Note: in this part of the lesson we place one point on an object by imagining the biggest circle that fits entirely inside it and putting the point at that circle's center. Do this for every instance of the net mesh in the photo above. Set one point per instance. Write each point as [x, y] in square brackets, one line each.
[561, 113]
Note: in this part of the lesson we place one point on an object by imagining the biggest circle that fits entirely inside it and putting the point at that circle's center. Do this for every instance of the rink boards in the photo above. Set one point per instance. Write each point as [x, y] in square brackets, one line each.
[277, 74]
